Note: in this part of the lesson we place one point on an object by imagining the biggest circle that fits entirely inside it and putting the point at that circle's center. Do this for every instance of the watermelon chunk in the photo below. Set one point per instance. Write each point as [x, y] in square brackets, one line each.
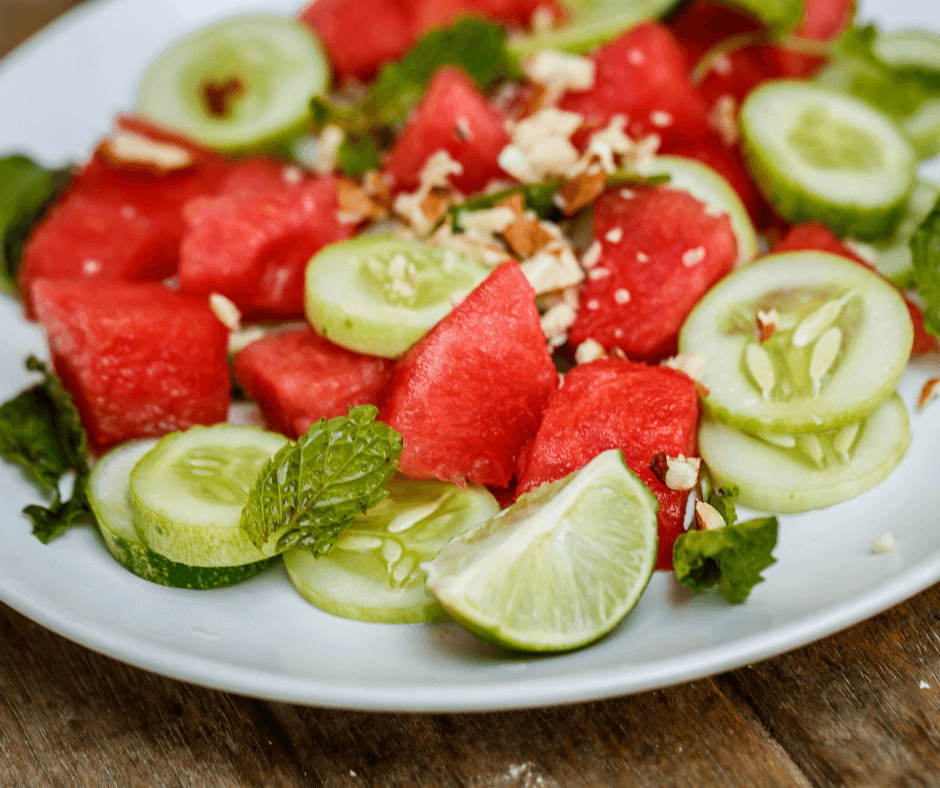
[470, 393]
[643, 75]
[253, 241]
[609, 404]
[815, 236]
[452, 116]
[702, 24]
[297, 378]
[139, 360]
[661, 250]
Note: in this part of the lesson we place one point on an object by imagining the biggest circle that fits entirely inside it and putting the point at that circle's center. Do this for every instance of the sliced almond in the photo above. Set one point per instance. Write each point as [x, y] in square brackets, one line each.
[708, 517]
[930, 391]
[126, 150]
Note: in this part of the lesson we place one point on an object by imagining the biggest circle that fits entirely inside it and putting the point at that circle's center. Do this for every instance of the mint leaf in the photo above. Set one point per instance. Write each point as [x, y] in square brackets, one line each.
[311, 490]
[722, 499]
[731, 557]
[925, 251]
[26, 191]
[40, 431]
[357, 155]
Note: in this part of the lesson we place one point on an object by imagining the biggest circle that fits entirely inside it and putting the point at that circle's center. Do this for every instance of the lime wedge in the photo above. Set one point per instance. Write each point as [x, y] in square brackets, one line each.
[559, 568]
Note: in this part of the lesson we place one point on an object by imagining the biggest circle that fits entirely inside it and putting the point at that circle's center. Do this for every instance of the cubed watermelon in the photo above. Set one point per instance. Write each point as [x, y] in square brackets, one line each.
[470, 393]
[453, 116]
[701, 24]
[661, 250]
[815, 236]
[253, 241]
[297, 378]
[642, 75]
[610, 404]
[139, 359]
[823, 20]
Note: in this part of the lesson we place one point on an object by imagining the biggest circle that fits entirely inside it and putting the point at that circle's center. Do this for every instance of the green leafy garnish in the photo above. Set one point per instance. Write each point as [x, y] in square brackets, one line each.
[26, 191]
[722, 499]
[470, 44]
[311, 490]
[925, 251]
[41, 432]
[731, 557]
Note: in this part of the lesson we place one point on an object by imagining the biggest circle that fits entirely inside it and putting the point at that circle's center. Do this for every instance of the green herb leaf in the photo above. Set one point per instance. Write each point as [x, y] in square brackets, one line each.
[722, 499]
[357, 155]
[311, 490]
[40, 431]
[731, 557]
[26, 191]
[925, 251]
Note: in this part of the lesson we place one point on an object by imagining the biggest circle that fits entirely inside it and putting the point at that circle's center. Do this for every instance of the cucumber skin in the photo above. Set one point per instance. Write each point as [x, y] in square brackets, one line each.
[796, 205]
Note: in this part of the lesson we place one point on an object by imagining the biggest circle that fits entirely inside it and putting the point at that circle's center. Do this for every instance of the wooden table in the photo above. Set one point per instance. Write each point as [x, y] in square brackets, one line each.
[857, 709]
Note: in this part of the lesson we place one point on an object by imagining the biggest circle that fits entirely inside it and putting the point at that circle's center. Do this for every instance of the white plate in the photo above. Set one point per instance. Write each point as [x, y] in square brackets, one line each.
[57, 95]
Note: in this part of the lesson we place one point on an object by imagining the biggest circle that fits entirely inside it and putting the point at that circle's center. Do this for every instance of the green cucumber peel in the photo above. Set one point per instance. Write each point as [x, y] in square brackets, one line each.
[27, 189]
[778, 15]
[40, 431]
[476, 47]
[925, 252]
[311, 490]
[731, 558]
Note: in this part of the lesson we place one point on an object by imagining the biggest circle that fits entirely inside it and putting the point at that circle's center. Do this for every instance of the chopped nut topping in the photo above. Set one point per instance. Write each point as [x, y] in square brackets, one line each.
[355, 203]
[581, 190]
[490, 221]
[708, 517]
[541, 145]
[556, 322]
[692, 364]
[126, 149]
[423, 208]
[229, 314]
[588, 351]
[526, 237]
[930, 391]
[483, 251]
[884, 543]
[677, 473]
[558, 72]
[515, 202]
[326, 155]
[553, 268]
[767, 323]
[437, 169]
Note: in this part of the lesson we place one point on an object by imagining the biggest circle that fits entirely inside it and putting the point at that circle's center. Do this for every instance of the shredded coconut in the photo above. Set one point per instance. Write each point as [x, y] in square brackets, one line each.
[326, 155]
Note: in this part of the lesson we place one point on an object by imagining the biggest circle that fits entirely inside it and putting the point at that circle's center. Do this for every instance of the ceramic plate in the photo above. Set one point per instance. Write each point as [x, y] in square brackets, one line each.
[58, 95]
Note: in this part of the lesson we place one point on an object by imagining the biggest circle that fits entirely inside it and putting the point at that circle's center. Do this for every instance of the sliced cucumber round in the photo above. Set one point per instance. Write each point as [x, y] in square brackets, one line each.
[373, 571]
[188, 492]
[380, 295]
[807, 471]
[108, 493]
[710, 188]
[818, 153]
[843, 337]
[590, 23]
[237, 85]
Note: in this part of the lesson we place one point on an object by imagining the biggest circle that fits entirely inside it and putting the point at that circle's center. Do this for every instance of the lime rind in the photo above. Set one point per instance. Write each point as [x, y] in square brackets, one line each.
[817, 153]
[265, 69]
[108, 491]
[373, 572]
[559, 568]
[783, 480]
[878, 337]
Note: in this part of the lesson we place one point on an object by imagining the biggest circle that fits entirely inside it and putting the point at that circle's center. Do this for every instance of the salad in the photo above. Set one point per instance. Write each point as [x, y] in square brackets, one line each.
[516, 217]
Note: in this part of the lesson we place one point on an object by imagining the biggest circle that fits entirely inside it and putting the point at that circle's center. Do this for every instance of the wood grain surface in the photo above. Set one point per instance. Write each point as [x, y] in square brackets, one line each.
[861, 708]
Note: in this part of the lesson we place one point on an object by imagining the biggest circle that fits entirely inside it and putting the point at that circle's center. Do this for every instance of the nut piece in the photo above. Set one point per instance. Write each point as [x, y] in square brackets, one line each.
[355, 203]
[525, 236]
[580, 191]
[692, 364]
[124, 149]
[591, 350]
[767, 324]
[677, 473]
[930, 391]
[884, 543]
[707, 517]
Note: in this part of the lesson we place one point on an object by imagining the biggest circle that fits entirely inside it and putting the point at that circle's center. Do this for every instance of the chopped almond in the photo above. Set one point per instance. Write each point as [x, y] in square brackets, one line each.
[708, 517]
[435, 204]
[677, 473]
[766, 324]
[930, 391]
[515, 202]
[526, 236]
[127, 150]
[354, 201]
[581, 191]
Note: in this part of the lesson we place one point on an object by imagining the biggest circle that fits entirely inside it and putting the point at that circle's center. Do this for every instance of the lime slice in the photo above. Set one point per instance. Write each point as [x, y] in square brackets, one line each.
[380, 295]
[237, 85]
[559, 568]
[373, 571]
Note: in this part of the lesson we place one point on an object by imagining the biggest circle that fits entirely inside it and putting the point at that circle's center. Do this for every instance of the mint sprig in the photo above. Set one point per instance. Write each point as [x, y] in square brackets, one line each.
[311, 490]
[26, 191]
[41, 432]
[925, 252]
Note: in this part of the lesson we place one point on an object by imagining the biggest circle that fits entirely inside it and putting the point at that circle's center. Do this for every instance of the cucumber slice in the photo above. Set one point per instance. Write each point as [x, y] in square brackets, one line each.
[108, 493]
[817, 470]
[843, 339]
[710, 188]
[372, 573]
[778, 15]
[188, 492]
[237, 85]
[818, 153]
[895, 261]
[380, 295]
[591, 22]
[916, 49]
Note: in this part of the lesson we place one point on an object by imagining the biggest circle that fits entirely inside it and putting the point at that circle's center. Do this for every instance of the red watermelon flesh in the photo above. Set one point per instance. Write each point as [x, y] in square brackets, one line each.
[823, 20]
[253, 246]
[643, 75]
[664, 252]
[453, 116]
[701, 24]
[139, 360]
[297, 378]
[470, 393]
[516, 13]
[610, 404]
